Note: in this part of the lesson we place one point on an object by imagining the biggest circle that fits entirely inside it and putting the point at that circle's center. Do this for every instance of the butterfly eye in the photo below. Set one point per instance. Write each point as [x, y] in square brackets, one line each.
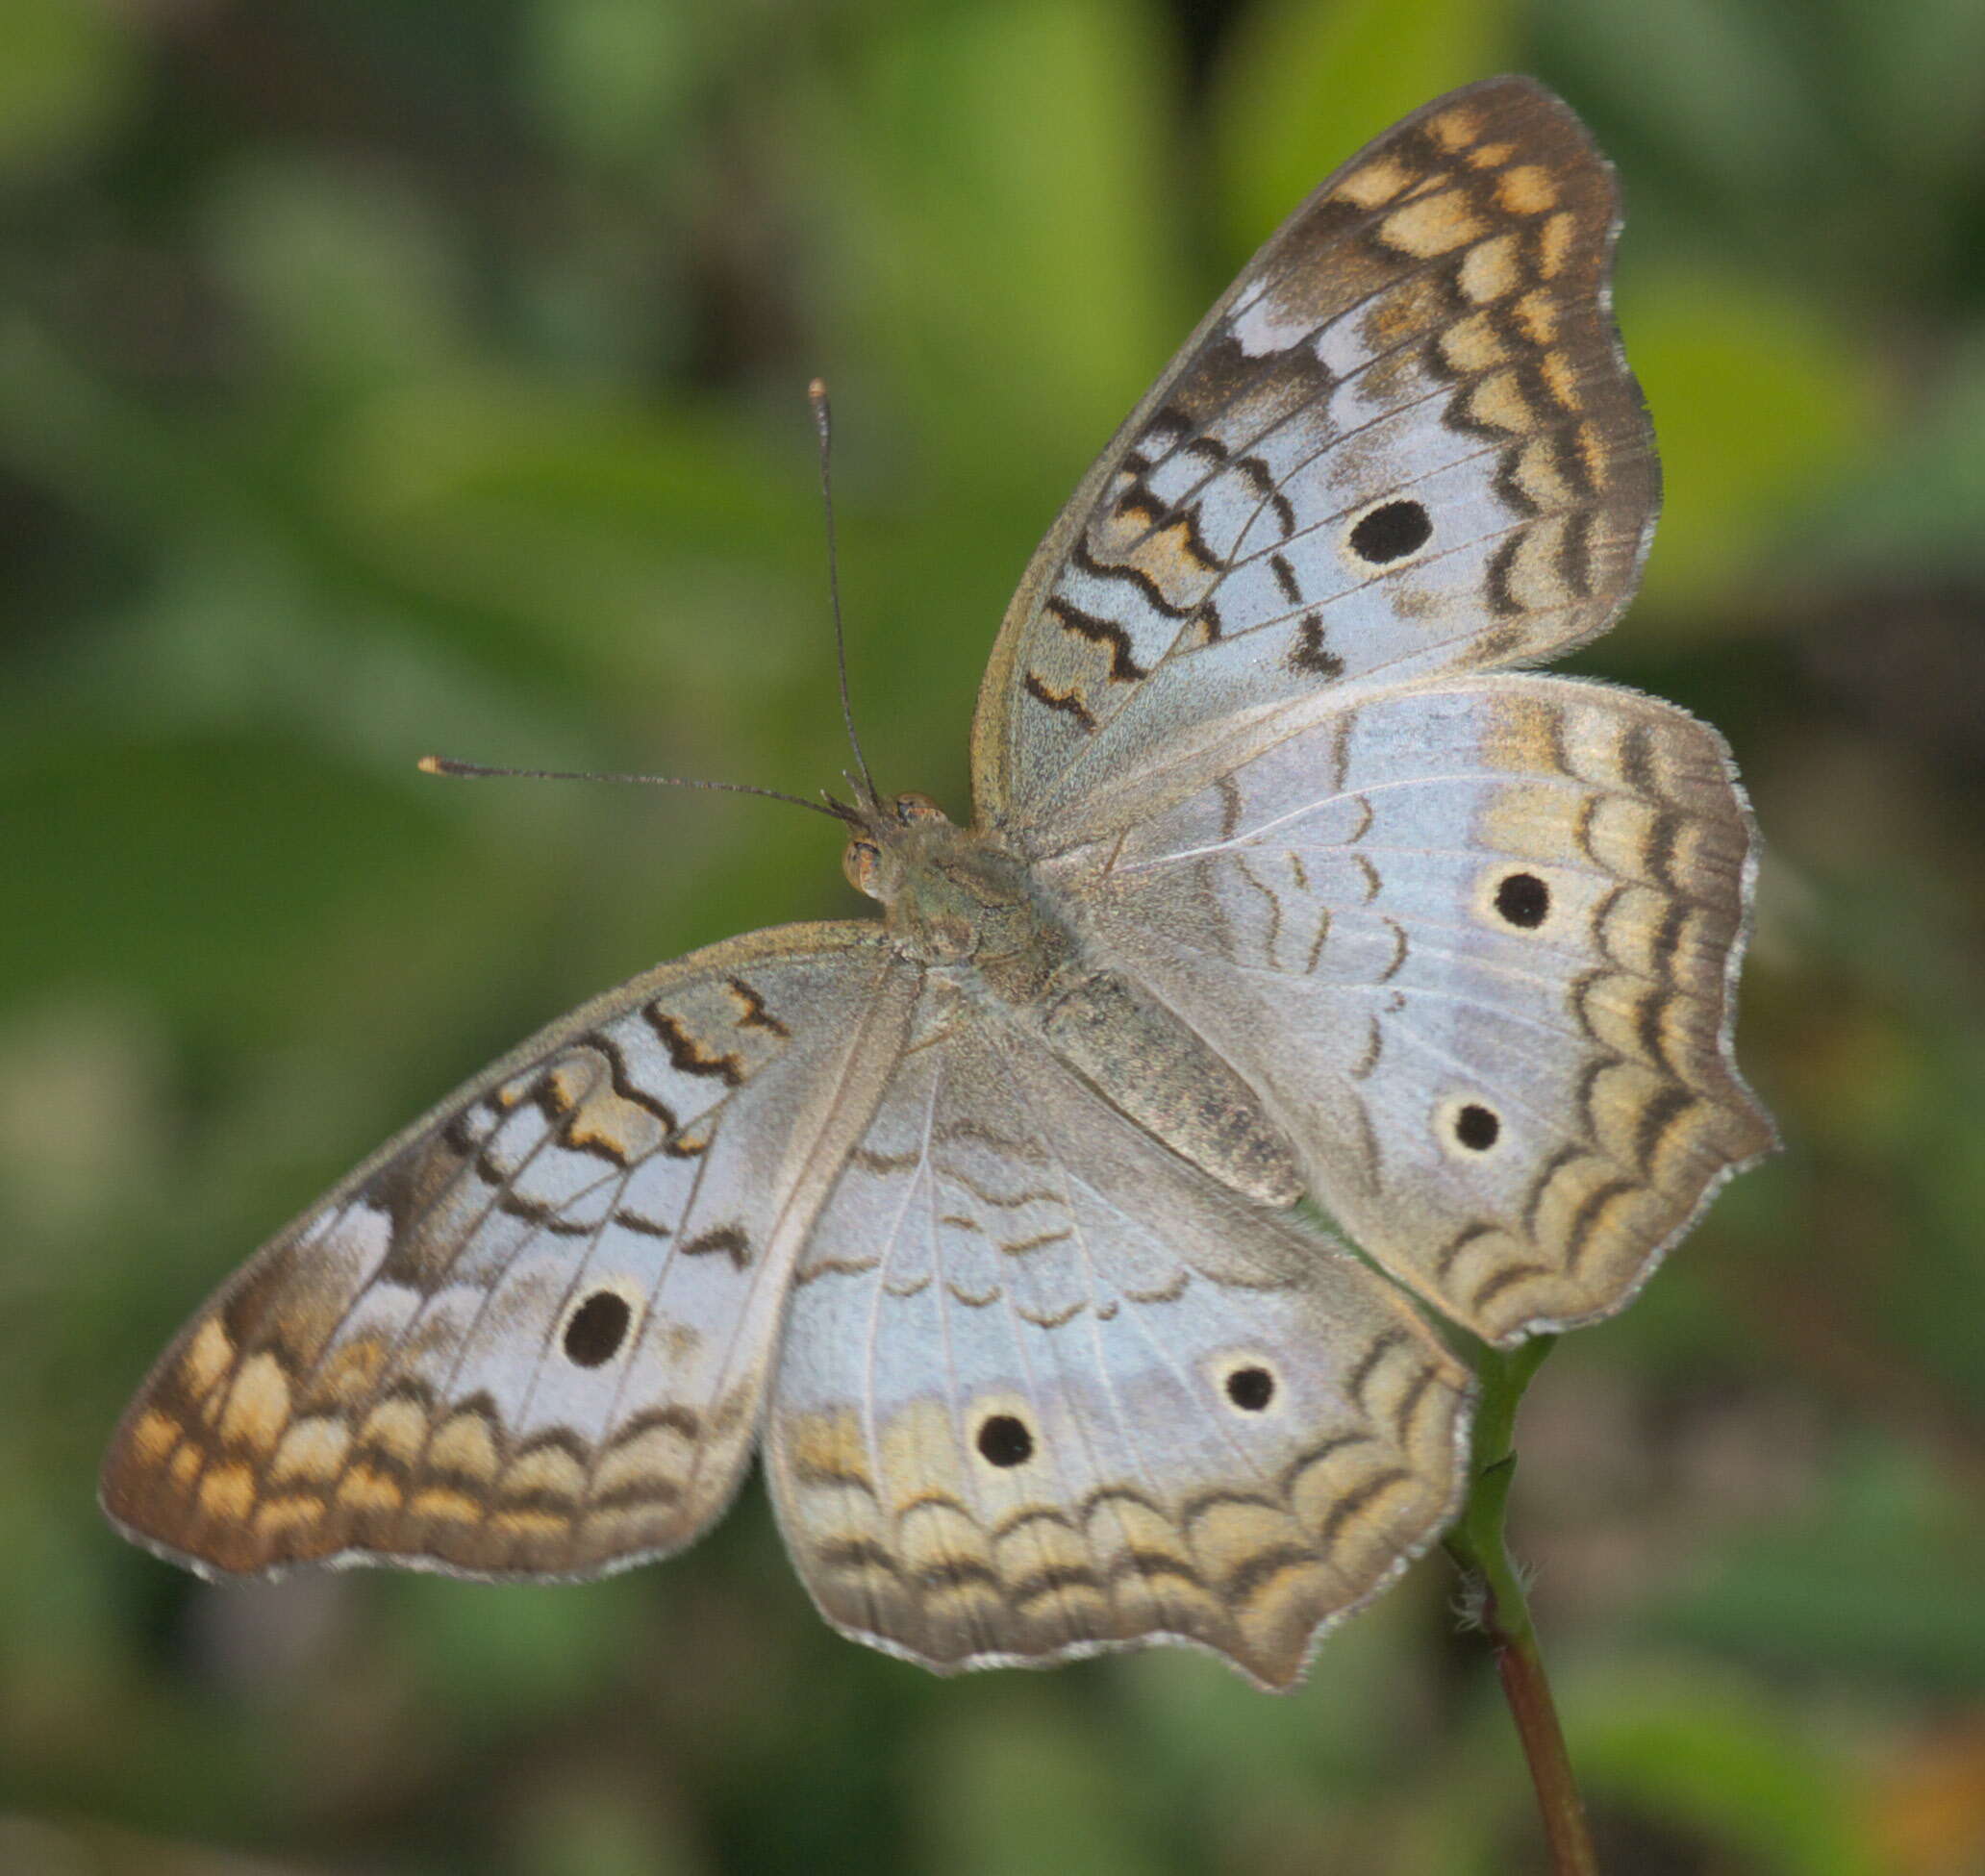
[917, 807]
[859, 863]
[1390, 532]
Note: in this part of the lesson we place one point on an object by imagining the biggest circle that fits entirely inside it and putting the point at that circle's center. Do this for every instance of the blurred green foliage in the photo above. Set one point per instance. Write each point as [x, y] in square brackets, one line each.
[403, 374]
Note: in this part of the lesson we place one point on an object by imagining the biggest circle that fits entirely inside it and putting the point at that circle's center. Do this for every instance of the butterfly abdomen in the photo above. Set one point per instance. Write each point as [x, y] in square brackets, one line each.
[1133, 1050]
[965, 905]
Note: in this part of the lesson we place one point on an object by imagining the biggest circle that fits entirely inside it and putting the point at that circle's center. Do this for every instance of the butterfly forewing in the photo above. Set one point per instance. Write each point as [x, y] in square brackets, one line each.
[1048, 1389]
[531, 1336]
[1404, 442]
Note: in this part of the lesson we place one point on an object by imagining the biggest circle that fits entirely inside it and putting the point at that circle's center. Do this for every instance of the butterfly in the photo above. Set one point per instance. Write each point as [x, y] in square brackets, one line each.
[982, 1220]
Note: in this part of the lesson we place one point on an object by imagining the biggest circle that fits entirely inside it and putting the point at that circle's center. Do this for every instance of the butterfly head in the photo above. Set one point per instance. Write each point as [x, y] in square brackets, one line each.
[883, 840]
[952, 895]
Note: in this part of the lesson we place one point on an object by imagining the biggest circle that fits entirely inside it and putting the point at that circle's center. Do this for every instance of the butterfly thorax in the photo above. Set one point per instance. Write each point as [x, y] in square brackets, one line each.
[953, 896]
[980, 918]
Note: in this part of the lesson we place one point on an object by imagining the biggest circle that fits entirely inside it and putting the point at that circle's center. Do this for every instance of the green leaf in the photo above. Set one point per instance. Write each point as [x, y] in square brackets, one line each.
[67, 75]
[1760, 404]
[1004, 200]
[611, 78]
[1916, 501]
[1716, 86]
[1880, 1579]
[1705, 1753]
[350, 275]
[1012, 1783]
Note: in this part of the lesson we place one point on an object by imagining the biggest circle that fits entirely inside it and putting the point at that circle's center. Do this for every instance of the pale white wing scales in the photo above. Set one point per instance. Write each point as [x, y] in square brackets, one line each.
[531, 1334]
[1046, 1389]
[1475, 940]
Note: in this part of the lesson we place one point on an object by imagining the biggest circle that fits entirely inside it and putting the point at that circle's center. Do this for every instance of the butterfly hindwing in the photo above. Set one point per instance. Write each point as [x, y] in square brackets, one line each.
[1046, 1389]
[1475, 940]
[1405, 442]
[531, 1334]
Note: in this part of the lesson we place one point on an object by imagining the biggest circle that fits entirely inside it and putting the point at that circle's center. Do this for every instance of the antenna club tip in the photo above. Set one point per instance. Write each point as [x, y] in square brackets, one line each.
[429, 766]
[817, 390]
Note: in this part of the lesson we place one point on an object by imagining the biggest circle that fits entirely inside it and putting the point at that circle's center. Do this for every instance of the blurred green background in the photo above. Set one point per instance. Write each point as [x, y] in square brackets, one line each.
[386, 375]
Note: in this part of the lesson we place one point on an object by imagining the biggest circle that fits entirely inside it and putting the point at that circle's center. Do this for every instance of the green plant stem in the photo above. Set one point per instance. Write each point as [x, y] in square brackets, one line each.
[1496, 1600]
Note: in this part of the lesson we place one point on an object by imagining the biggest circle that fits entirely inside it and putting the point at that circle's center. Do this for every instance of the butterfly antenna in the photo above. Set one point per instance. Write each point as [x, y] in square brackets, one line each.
[448, 766]
[823, 422]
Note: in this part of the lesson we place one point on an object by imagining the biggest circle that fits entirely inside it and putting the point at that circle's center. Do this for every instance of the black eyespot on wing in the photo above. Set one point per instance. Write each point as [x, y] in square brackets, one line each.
[1390, 532]
[1476, 1127]
[596, 1329]
[1524, 899]
[1004, 1440]
[1251, 1389]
